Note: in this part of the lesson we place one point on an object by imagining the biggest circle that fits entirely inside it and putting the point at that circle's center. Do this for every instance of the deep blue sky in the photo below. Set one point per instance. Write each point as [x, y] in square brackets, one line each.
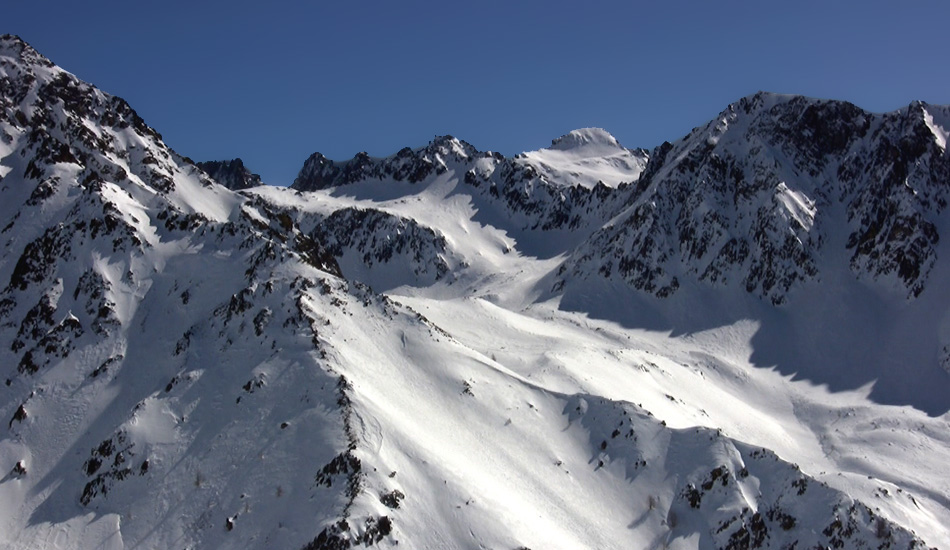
[272, 82]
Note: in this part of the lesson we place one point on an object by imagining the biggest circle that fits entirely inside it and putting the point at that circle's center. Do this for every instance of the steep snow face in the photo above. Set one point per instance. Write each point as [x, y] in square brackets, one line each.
[186, 366]
[939, 125]
[587, 157]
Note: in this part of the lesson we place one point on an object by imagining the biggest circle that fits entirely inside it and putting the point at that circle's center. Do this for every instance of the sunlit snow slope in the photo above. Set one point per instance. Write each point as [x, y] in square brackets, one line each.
[448, 348]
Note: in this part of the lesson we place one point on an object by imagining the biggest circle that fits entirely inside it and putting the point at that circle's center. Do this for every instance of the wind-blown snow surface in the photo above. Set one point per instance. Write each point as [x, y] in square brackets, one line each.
[190, 367]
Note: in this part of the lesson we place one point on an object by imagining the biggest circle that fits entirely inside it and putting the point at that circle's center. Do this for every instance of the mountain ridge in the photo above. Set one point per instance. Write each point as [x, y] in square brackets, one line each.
[186, 365]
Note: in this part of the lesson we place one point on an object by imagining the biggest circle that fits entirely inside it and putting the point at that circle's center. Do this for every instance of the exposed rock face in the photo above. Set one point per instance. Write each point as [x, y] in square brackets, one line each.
[753, 197]
[411, 165]
[377, 238]
[231, 174]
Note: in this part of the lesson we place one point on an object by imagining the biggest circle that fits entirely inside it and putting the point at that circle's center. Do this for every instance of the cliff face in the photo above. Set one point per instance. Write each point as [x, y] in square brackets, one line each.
[231, 174]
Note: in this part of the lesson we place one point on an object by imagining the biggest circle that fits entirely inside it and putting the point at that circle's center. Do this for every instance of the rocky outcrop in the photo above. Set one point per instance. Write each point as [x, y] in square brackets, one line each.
[231, 173]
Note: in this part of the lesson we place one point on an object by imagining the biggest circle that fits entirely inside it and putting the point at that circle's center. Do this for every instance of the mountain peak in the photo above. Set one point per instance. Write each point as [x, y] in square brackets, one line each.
[231, 173]
[11, 40]
[446, 145]
[583, 138]
[11, 44]
[587, 157]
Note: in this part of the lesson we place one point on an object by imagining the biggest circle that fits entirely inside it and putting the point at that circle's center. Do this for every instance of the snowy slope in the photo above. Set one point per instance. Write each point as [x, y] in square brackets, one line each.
[827, 210]
[187, 366]
[587, 157]
[123, 322]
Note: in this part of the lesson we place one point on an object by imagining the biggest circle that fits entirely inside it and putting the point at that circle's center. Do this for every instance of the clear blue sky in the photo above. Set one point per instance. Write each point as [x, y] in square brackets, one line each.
[272, 82]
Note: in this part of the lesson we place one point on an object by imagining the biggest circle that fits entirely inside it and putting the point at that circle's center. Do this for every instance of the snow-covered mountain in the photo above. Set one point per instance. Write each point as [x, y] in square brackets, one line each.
[447, 348]
[560, 190]
[757, 196]
[588, 157]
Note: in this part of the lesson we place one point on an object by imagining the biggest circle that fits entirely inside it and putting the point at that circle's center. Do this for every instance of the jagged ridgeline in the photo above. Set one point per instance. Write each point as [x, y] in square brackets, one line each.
[441, 348]
[758, 196]
[753, 199]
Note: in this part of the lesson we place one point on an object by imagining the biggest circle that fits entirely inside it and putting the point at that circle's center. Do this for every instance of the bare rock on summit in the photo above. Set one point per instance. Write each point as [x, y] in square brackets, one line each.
[231, 173]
